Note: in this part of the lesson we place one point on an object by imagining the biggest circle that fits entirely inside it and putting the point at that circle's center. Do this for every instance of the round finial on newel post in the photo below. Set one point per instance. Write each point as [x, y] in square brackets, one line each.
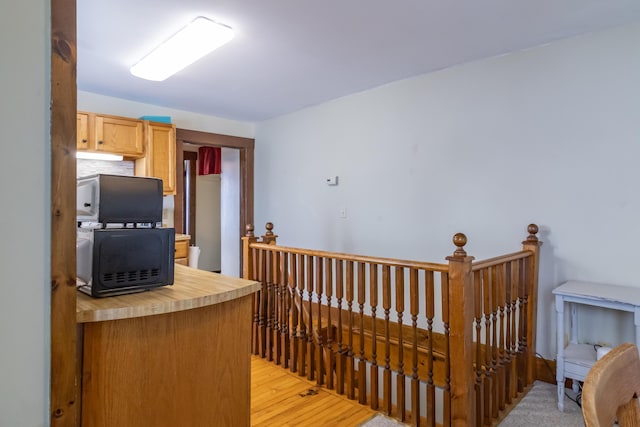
[269, 227]
[533, 230]
[249, 228]
[459, 239]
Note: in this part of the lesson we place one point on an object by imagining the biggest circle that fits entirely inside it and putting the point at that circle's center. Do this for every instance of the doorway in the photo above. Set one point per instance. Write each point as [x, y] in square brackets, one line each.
[240, 151]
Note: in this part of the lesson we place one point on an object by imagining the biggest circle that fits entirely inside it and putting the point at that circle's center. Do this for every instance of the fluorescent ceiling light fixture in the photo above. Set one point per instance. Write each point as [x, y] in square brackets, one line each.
[200, 37]
[97, 156]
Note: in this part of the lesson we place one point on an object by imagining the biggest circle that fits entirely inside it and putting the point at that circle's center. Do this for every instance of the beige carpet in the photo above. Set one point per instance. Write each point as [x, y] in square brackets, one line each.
[381, 421]
[538, 408]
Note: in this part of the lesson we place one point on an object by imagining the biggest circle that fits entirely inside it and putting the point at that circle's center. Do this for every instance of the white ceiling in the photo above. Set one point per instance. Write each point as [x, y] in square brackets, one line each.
[290, 54]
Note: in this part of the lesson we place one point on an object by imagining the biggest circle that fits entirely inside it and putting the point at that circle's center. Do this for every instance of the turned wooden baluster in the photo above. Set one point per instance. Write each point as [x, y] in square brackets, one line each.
[311, 345]
[350, 368]
[362, 365]
[286, 301]
[302, 354]
[429, 294]
[522, 329]
[494, 341]
[488, 382]
[400, 378]
[277, 287]
[500, 302]
[386, 305]
[446, 393]
[264, 296]
[508, 369]
[373, 297]
[320, 344]
[477, 308]
[340, 357]
[330, 359]
[294, 316]
[414, 293]
[525, 350]
[269, 306]
[515, 357]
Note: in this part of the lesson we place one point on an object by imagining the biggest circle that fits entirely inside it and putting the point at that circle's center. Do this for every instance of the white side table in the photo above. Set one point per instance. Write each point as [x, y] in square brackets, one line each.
[575, 360]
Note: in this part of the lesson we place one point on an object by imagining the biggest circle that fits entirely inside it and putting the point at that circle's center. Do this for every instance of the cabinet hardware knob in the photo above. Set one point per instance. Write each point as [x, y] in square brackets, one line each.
[84, 141]
[99, 142]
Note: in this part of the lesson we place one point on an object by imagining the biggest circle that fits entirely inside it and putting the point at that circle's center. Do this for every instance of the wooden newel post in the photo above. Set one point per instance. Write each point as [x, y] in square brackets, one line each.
[460, 314]
[247, 253]
[269, 238]
[249, 273]
[532, 244]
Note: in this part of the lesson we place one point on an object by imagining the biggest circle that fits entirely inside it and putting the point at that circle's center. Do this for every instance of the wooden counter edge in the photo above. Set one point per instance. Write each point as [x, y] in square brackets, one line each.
[156, 301]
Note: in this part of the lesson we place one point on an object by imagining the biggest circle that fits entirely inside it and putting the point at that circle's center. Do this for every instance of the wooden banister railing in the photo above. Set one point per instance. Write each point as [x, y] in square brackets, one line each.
[400, 335]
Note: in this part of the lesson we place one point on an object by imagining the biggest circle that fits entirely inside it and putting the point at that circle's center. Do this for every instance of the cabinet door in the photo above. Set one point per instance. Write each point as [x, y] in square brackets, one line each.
[161, 144]
[119, 135]
[82, 132]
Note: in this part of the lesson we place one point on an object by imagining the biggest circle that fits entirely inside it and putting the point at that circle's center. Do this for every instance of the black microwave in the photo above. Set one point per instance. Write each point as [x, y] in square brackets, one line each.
[124, 260]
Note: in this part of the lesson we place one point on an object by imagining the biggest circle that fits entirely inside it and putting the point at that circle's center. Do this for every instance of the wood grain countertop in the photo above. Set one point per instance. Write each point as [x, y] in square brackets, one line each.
[192, 288]
[182, 237]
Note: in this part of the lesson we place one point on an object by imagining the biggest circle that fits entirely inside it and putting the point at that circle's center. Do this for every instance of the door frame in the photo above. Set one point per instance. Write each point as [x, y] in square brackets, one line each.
[245, 146]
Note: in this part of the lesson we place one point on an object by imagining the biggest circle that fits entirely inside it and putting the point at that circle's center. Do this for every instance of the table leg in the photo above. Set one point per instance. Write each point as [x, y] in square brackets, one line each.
[560, 357]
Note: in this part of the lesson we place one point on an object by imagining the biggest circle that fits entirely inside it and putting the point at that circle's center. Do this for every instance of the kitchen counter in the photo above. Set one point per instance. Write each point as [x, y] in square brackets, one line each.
[192, 288]
[172, 356]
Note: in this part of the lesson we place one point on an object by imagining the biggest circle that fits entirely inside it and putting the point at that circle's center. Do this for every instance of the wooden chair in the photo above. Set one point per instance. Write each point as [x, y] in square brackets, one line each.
[611, 389]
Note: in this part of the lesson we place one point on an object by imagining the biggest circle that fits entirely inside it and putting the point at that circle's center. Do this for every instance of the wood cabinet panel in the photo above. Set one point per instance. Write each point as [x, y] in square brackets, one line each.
[119, 135]
[82, 134]
[182, 252]
[160, 158]
[187, 368]
[109, 134]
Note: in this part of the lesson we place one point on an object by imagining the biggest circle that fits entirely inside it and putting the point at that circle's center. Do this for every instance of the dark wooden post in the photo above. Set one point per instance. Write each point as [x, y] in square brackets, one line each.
[64, 399]
[532, 244]
[461, 308]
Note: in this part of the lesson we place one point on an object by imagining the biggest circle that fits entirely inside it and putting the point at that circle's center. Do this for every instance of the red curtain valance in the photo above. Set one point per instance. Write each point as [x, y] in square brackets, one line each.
[209, 160]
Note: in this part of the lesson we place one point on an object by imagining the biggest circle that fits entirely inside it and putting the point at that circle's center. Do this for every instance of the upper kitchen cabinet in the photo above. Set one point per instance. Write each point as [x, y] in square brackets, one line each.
[110, 134]
[160, 158]
[82, 134]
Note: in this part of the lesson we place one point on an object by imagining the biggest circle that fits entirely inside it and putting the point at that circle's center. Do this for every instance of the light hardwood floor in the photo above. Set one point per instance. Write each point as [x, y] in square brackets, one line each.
[282, 398]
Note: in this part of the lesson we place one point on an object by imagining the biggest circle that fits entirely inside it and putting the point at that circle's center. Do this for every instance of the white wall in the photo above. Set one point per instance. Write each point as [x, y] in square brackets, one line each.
[549, 135]
[24, 217]
[229, 207]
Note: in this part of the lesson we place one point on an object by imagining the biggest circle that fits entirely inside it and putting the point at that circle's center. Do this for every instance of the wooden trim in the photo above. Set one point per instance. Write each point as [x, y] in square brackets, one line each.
[178, 199]
[192, 157]
[246, 147]
[546, 370]
[214, 139]
[246, 189]
[64, 404]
